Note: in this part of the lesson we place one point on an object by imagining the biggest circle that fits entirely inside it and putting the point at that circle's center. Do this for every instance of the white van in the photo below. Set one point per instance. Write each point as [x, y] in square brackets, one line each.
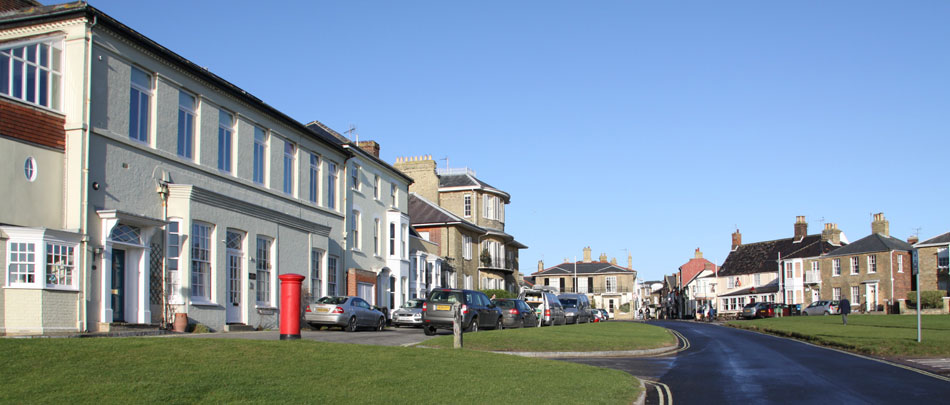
[547, 306]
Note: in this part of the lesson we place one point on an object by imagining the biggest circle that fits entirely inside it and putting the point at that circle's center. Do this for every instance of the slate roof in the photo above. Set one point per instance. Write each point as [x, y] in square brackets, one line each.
[936, 240]
[511, 239]
[329, 135]
[466, 180]
[874, 242]
[760, 257]
[762, 289]
[584, 268]
[424, 212]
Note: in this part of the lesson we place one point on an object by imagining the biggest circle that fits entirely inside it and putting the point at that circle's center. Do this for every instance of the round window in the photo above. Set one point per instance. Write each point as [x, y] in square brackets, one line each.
[29, 168]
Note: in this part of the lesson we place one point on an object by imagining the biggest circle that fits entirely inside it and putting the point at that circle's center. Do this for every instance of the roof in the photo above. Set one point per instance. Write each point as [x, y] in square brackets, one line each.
[584, 268]
[424, 212]
[510, 239]
[771, 287]
[693, 267]
[467, 180]
[328, 134]
[761, 257]
[935, 241]
[874, 242]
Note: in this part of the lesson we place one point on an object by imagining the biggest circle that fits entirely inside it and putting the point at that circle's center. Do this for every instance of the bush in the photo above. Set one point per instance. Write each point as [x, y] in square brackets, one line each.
[500, 293]
[928, 299]
[625, 308]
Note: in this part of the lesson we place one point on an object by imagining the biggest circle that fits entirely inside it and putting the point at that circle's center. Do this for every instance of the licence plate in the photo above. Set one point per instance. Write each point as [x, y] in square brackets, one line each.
[323, 310]
[443, 307]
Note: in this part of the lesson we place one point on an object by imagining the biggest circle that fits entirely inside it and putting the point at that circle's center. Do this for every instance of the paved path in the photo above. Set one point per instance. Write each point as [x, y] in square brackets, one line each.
[729, 366]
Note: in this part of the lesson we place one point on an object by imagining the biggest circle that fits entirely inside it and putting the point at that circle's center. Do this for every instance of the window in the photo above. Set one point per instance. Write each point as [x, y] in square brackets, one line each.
[392, 239]
[376, 232]
[855, 294]
[611, 284]
[260, 154]
[172, 252]
[467, 205]
[854, 265]
[201, 260]
[942, 258]
[225, 130]
[32, 72]
[814, 266]
[582, 284]
[22, 265]
[139, 98]
[757, 279]
[731, 282]
[468, 282]
[405, 237]
[331, 275]
[466, 247]
[836, 267]
[872, 264]
[316, 256]
[790, 297]
[376, 184]
[60, 263]
[355, 222]
[186, 125]
[356, 177]
[331, 186]
[836, 293]
[314, 177]
[900, 263]
[29, 169]
[263, 270]
[393, 194]
[788, 270]
[290, 157]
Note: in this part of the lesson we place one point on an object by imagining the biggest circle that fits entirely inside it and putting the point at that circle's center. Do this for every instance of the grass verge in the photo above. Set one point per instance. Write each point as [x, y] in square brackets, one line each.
[603, 336]
[879, 335]
[177, 370]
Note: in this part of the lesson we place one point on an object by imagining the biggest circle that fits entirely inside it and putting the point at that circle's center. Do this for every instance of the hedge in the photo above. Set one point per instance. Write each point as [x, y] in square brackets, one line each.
[500, 293]
[928, 299]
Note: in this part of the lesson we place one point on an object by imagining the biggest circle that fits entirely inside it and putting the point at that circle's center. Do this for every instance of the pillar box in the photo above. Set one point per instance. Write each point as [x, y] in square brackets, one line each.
[290, 306]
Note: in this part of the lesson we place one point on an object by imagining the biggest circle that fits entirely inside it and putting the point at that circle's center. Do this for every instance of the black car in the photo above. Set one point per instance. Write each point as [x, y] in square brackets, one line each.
[516, 313]
[477, 311]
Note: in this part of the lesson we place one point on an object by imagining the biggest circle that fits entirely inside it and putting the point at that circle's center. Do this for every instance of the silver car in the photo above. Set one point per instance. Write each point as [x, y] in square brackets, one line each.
[823, 307]
[348, 313]
[410, 314]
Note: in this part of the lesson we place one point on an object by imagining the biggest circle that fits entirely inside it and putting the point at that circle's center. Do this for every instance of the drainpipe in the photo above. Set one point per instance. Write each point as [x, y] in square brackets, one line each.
[892, 300]
[84, 179]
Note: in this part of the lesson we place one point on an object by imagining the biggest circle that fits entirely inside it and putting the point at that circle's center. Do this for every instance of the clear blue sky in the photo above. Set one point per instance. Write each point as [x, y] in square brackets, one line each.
[645, 127]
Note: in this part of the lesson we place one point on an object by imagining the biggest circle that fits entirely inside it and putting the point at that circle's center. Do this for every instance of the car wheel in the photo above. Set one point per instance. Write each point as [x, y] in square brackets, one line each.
[351, 325]
[804, 313]
[499, 325]
[428, 330]
[381, 325]
[522, 323]
[827, 313]
[473, 325]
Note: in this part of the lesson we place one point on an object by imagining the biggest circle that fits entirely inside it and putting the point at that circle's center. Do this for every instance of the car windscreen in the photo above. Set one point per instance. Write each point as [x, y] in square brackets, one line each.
[505, 304]
[568, 302]
[413, 304]
[749, 305]
[332, 300]
[446, 296]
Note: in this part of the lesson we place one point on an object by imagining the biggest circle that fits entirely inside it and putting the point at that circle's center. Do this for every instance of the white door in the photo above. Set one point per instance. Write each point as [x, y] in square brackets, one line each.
[871, 295]
[235, 258]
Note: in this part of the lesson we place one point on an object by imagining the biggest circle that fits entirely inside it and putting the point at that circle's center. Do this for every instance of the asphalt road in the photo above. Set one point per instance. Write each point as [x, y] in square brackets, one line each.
[723, 365]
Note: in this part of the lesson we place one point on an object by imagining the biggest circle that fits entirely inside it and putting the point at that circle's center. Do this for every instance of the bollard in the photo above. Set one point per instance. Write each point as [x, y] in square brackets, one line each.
[457, 325]
[290, 306]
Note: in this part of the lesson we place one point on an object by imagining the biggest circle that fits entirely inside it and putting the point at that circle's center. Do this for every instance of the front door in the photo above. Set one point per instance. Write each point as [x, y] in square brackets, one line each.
[118, 285]
[235, 260]
[871, 295]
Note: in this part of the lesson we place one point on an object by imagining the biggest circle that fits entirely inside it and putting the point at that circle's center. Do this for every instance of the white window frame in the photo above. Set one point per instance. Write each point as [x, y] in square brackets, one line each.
[314, 178]
[355, 177]
[836, 267]
[403, 246]
[392, 239]
[225, 141]
[316, 288]
[137, 94]
[466, 247]
[872, 264]
[186, 139]
[855, 294]
[332, 185]
[836, 293]
[610, 284]
[50, 263]
[900, 263]
[264, 270]
[355, 230]
[376, 241]
[53, 72]
[172, 257]
[290, 166]
[467, 205]
[259, 174]
[394, 193]
[202, 235]
[376, 185]
[333, 273]
[855, 263]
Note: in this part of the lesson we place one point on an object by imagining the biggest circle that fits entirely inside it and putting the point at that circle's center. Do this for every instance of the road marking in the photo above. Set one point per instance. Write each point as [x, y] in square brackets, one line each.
[682, 339]
[660, 390]
[943, 364]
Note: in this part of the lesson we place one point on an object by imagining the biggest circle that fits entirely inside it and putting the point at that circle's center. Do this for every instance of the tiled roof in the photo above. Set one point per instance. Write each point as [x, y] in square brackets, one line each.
[584, 268]
[693, 267]
[760, 257]
[936, 240]
[874, 242]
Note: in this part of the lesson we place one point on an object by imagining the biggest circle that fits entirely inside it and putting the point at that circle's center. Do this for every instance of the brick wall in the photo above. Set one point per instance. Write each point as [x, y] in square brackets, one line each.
[32, 124]
[928, 268]
[355, 276]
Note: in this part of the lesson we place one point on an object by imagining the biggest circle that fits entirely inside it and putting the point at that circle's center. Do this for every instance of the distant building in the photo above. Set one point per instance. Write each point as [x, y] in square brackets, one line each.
[933, 263]
[606, 284]
[698, 279]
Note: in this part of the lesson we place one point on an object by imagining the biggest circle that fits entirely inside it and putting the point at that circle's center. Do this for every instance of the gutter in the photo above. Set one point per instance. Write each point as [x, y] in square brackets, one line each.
[84, 178]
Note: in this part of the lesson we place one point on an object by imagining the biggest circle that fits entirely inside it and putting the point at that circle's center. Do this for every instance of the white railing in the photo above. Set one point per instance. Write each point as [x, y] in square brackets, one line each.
[455, 170]
[812, 277]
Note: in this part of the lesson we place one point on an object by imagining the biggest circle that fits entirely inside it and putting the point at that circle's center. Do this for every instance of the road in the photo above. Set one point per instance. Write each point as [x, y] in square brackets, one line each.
[724, 365]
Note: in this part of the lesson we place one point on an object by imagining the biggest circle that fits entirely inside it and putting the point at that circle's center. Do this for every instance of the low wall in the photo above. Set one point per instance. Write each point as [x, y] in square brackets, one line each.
[905, 310]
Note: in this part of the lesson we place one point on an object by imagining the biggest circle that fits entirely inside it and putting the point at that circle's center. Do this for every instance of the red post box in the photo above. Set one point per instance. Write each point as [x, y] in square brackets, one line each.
[290, 306]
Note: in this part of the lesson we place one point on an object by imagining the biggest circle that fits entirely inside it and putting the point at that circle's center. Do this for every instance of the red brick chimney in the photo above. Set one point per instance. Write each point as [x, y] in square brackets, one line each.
[370, 147]
[913, 239]
[736, 239]
[801, 228]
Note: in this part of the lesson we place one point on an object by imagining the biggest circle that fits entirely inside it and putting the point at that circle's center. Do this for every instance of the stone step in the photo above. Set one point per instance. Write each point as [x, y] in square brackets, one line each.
[237, 327]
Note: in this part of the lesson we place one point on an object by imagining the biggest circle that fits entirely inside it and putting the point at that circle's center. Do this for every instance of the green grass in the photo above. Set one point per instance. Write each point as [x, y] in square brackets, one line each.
[879, 335]
[179, 370]
[569, 338]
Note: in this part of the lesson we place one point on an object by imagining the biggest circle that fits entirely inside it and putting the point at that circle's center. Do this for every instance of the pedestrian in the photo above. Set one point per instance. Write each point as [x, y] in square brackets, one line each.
[712, 314]
[845, 306]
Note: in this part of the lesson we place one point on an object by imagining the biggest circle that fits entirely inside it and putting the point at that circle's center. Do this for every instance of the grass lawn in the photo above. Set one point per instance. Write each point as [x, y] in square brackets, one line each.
[568, 338]
[880, 335]
[179, 370]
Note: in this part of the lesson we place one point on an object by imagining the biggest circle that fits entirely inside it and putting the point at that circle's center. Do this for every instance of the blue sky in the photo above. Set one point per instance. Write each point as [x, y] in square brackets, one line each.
[648, 128]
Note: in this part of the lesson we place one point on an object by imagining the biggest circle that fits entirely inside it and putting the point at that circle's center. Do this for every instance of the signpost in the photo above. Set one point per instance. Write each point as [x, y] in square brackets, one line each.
[916, 272]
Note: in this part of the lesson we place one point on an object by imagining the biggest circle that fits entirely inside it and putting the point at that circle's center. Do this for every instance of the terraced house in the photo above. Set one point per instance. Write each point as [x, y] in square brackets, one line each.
[934, 262]
[606, 284]
[148, 186]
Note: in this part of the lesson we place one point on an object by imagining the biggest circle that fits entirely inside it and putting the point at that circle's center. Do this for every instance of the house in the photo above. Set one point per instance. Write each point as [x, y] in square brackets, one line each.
[872, 272]
[800, 279]
[454, 237]
[698, 278]
[426, 269]
[606, 284]
[158, 189]
[932, 263]
[490, 258]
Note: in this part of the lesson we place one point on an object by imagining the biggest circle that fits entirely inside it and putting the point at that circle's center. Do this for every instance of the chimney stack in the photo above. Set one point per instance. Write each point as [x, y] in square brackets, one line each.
[587, 254]
[801, 228]
[698, 254]
[540, 265]
[421, 169]
[630, 261]
[613, 261]
[913, 239]
[880, 225]
[736, 239]
[370, 147]
[603, 258]
[831, 234]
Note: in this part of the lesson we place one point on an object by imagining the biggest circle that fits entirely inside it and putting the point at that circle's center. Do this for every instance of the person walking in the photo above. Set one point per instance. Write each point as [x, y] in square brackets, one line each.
[845, 306]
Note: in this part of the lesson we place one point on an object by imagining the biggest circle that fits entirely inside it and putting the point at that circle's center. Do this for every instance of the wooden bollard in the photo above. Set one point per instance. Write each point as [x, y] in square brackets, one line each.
[457, 325]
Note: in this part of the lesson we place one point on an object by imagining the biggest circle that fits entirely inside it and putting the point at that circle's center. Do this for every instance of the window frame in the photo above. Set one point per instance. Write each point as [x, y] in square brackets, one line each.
[355, 177]
[467, 205]
[186, 122]
[290, 164]
[52, 89]
[259, 171]
[610, 284]
[316, 259]
[225, 142]
[263, 250]
[136, 93]
[855, 265]
[836, 267]
[333, 264]
[355, 230]
[332, 178]
[376, 234]
[466, 247]
[202, 254]
[872, 264]
[314, 178]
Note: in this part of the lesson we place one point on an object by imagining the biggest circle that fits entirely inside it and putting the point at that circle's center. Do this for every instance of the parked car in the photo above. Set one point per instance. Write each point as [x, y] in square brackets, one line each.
[604, 315]
[516, 313]
[348, 313]
[576, 307]
[546, 305]
[596, 315]
[477, 311]
[823, 307]
[410, 314]
[757, 310]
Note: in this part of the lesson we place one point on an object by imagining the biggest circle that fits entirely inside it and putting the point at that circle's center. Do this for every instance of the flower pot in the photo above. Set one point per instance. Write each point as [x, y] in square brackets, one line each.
[181, 322]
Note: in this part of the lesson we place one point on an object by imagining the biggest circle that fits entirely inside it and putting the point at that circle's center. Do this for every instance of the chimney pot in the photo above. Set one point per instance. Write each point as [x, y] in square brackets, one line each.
[913, 239]
[801, 228]
[736, 239]
[587, 254]
[880, 225]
